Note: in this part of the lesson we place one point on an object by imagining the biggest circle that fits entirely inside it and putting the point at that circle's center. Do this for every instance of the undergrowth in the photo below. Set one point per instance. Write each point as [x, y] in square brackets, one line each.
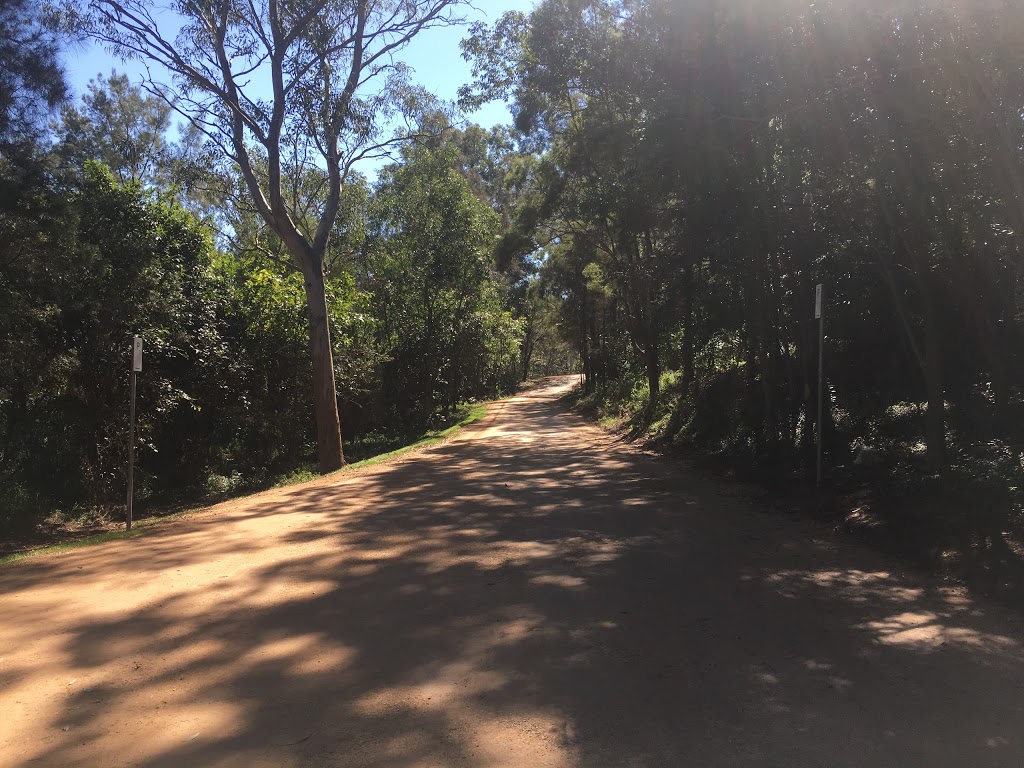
[965, 522]
[74, 528]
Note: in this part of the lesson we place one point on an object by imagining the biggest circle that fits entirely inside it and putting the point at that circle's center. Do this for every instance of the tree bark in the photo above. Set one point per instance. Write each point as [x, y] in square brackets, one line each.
[325, 395]
[297, 55]
[526, 356]
[808, 355]
[935, 430]
[653, 362]
[689, 367]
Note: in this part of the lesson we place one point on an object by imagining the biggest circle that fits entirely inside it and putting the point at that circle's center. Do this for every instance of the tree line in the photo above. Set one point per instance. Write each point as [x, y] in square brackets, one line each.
[699, 167]
[112, 223]
[679, 177]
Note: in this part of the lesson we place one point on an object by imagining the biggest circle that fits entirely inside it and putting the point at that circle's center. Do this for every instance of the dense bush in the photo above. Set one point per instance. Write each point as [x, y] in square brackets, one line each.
[87, 266]
[223, 401]
[702, 166]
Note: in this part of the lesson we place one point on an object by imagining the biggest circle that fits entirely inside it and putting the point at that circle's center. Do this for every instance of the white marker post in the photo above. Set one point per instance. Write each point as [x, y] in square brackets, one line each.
[819, 315]
[136, 367]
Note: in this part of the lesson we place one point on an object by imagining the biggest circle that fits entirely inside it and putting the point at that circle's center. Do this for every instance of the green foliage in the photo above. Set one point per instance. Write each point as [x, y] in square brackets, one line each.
[89, 269]
[259, 415]
[702, 166]
[427, 267]
[121, 126]
[221, 402]
[32, 82]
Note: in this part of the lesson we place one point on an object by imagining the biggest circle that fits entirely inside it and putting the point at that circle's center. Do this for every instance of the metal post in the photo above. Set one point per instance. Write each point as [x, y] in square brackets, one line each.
[820, 312]
[131, 452]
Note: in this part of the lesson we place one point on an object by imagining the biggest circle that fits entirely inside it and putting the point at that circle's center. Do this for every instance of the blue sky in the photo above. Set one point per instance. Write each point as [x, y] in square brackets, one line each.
[434, 56]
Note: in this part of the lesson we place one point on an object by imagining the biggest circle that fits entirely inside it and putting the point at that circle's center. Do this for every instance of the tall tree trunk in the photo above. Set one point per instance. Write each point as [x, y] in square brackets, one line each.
[935, 429]
[760, 362]
[689, 368]
[527, 356]
[653, 373]
[454, 375]
[769, 387]
[808, 355]
[428, 376]
[585, 352]
[325, 396]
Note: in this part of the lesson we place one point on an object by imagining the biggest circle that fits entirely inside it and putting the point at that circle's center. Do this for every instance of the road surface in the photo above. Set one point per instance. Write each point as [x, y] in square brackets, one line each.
[531, 593]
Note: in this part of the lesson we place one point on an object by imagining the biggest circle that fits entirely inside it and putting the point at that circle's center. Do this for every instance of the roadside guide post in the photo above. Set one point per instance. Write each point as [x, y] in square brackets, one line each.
[136, 367]
[819, 315]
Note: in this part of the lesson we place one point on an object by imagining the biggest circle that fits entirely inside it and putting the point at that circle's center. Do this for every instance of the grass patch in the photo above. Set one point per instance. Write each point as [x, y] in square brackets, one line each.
[449, 426]
[98, 538]
[295, 478]
[138, 529]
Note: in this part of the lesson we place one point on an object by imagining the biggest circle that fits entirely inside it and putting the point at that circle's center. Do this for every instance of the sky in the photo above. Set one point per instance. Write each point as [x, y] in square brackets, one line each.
[434, 55]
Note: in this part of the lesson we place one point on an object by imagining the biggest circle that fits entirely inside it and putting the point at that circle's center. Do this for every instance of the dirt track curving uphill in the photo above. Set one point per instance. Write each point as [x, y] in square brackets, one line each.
[530, 593]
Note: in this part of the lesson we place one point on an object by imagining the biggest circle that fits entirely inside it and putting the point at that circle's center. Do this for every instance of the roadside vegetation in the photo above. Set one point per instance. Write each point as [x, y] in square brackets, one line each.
[702, 166]
[58, 532]
[113, 222]
[678, 178]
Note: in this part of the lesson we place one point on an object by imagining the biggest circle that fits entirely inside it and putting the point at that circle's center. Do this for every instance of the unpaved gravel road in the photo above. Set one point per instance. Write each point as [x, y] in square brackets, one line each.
[528, 594]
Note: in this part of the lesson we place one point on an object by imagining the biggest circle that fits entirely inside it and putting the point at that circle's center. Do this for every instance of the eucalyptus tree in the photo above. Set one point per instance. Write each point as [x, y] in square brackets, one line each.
[307, 86]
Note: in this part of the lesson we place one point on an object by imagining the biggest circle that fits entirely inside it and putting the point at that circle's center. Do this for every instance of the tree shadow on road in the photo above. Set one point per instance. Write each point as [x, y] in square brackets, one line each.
[522, 596]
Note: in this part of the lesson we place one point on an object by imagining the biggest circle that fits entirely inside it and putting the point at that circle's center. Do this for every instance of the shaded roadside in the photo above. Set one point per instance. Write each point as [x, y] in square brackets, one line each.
[58, 533]
[951, 527]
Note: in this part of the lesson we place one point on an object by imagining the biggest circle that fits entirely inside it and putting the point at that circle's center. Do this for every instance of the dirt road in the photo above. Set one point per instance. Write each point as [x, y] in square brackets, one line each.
[528, 594]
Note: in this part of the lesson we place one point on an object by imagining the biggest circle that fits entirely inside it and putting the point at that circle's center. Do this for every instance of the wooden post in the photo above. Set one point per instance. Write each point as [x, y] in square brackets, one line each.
[136, 367]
